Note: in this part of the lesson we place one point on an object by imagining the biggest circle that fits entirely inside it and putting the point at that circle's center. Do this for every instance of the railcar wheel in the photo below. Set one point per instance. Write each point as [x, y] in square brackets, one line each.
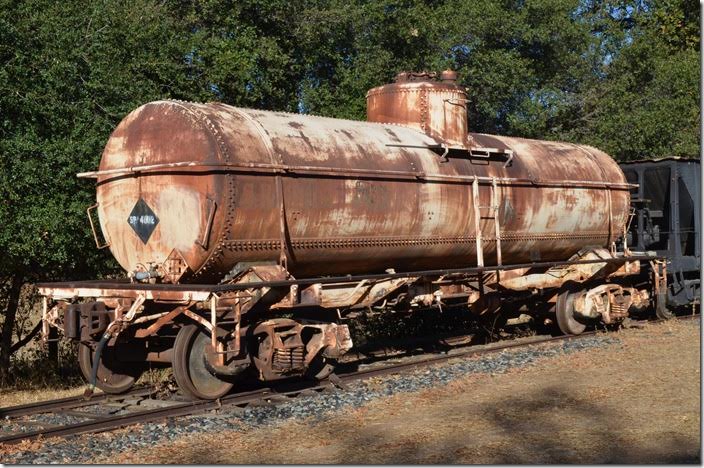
[320, 368]
[113, 377]
[564, 310]
[189, 367]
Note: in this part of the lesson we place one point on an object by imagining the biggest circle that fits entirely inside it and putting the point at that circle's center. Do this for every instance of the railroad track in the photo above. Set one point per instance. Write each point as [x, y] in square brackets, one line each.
[70, 403]
[96, 422]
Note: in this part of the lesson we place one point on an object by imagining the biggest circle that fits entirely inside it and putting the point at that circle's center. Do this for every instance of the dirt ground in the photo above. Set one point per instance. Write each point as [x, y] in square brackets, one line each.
[634, 402]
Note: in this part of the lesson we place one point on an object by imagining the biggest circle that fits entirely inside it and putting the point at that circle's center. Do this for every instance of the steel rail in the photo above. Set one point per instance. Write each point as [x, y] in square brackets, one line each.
[404, 366]
[70, 403]
[273, 394]
[176, 410]
[424, 362]
[114, 422]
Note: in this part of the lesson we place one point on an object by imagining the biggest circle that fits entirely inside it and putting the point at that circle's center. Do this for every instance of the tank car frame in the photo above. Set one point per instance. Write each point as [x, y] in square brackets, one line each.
[279, 326]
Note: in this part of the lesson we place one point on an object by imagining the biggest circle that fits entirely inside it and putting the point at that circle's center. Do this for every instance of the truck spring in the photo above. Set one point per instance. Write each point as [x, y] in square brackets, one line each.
[288, 358]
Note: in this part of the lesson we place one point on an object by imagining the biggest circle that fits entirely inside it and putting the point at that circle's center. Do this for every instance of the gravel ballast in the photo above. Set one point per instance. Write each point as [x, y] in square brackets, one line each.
[83, 449]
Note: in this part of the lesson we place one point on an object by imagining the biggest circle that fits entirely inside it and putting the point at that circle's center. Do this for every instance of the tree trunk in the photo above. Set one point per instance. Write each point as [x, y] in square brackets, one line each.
[28, 337]
[8, 325]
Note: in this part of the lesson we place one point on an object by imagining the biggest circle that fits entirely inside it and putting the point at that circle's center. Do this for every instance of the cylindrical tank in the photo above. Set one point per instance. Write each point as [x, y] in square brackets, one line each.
[212, 186]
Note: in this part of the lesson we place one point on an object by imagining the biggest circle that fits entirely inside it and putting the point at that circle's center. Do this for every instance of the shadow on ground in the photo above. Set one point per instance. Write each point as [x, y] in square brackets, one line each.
[551, 425]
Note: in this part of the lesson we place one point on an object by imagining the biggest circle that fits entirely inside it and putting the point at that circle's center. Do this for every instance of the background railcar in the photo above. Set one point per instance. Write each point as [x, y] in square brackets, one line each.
[667, 220]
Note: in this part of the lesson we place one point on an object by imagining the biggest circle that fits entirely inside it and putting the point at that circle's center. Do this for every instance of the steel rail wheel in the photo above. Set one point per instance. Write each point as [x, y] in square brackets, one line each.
[564, 310]
[320, 368]
[113, 377]
[189, 367]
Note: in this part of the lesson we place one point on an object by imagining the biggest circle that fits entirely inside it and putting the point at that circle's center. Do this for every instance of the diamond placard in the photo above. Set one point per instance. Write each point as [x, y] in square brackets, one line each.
[143, 220]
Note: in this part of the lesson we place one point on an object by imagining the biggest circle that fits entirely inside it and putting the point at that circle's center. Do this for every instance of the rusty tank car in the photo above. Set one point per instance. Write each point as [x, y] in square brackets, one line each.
[228, 219]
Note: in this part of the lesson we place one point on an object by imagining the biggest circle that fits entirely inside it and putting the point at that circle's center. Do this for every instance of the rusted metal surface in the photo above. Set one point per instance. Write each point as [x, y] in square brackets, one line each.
[195, 167]
[122, 289]
[216, 211]
[578, 270]
[74, 291]
[160, 322]
[287, 347]
[331, 196]
[608, 302]
[132, 303]
[417, 100]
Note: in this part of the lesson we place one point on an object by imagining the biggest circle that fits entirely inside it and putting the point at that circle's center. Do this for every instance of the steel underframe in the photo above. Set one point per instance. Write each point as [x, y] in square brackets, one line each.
[221, 288]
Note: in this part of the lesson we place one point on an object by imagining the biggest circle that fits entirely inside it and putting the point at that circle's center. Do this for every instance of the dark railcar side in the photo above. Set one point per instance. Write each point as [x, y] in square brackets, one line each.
[667, 220]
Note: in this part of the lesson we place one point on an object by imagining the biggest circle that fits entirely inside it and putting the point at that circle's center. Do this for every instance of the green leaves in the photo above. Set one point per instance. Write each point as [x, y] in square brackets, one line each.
[69, 72]
[619, 74]
[646, 105]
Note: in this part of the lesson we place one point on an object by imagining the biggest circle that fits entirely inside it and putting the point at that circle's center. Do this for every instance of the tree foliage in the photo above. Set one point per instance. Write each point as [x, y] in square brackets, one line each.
[645, 102]
[618, 74]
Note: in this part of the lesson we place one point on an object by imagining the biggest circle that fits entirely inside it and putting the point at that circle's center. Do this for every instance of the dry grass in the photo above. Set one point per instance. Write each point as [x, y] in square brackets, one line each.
[35, 388]
[35, 379]
[21, 397]
[637, 402]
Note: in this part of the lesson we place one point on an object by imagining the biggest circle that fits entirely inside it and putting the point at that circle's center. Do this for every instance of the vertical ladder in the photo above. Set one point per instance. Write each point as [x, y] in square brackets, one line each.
[493, 215]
